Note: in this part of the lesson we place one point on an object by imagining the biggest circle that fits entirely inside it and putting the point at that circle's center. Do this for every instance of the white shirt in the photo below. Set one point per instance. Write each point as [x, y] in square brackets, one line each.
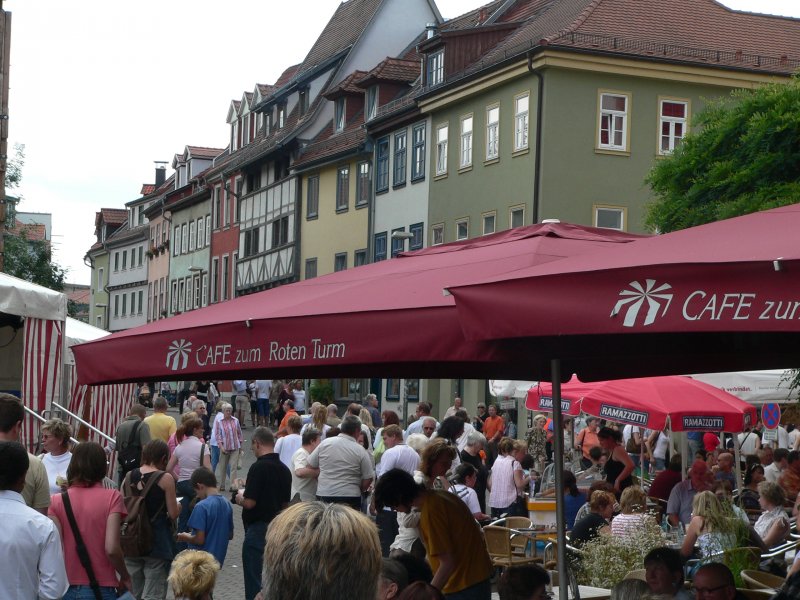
[32, 565]
[287, 446]
[343, 464]
[747, 441]
[56, 466]
[792, 437]
[263, 387]
[468, 495]
[217, 418]
[398, 457]
[299, 400]
[416, 426]
[772, 472]
[461, 442]
[306, 487]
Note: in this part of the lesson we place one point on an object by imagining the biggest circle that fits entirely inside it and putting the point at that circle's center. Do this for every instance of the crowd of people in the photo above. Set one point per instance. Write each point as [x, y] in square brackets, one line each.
[328, 494]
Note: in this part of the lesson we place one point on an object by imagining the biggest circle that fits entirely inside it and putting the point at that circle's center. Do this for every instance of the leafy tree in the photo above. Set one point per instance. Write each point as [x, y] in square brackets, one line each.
[30, 260]
[744, 156]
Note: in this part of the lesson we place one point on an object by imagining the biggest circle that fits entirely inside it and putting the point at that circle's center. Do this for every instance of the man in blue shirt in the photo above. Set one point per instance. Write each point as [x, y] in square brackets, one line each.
[212, 518]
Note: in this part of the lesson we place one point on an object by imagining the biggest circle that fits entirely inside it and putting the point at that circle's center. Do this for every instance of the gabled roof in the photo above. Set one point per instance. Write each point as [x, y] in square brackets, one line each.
[111, 216]
[346, 86]
[342, 31]
[202, 152]
[233, 111]
[391, 69]
[245, 103]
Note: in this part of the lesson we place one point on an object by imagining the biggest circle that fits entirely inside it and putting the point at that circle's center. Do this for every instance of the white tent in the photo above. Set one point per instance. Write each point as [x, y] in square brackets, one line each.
[25, 299]
[755, 387]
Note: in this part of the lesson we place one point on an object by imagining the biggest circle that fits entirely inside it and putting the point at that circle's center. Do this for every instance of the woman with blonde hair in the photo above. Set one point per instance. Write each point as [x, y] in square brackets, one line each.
[319, 421]
[193, 575]
[633, 504]
[319, 550]
[56, 436]
[773, 524]
[710, 528]
[366, 419]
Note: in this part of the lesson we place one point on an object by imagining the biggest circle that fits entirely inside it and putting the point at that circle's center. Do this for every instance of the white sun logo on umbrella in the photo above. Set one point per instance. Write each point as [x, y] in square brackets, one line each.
[634, 299]
[178, 354]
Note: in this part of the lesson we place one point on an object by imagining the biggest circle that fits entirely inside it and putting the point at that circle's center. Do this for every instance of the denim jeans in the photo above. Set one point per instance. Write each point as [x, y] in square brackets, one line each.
[253, 557]
[149, 577]
[479, 591]
[84, 592]
[214, 457]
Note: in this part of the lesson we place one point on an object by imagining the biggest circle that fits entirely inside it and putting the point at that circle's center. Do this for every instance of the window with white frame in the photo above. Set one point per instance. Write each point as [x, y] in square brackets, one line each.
[184, 238]
[133, 257]
[124, 260]
[673, 115]
[465, 156]
[204, 292]
[488, 223]
[363, 184]
[201, 232]
[215, 280]
[141, 255]
[197, 287]
[116, 306]
[437, 234]
[516, 216]
[141, 303]
[181, 294]
[339, 114]
[189, 293]
[116, 261]
[176, 241]
[462, 229]
[400, 140]
[192, 235]
[441, 149]
[208, 230]
[100, 281]
[174, 300]
[492, 132]
[215, 210]
[418, 152]
[521, 121]
[609, 217]
[226, 275]
[372, 102]
[436, 67]
[613, 130]
[281, 121]
[124, 305]
[342, 188]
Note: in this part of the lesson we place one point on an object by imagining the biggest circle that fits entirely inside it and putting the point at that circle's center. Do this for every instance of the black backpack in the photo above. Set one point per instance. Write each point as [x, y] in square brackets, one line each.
[136, 532]
[130, 455]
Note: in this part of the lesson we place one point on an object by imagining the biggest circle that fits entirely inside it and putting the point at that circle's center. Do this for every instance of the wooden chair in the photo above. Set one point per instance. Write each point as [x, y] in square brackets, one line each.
[499, 545]
[519, 543]
[758, 580]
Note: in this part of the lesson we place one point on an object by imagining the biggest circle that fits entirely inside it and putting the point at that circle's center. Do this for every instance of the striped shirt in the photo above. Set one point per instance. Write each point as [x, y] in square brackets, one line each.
[504, 490]
[229, 434]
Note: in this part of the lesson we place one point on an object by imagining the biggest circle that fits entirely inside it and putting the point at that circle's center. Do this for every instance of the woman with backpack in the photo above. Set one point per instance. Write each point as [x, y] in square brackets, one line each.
[149, 572]
[88, 517]
[190, 453]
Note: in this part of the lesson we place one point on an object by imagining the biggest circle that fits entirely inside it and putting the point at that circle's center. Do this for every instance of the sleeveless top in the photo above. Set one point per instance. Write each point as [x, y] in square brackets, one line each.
[156, 503]
[613, 469]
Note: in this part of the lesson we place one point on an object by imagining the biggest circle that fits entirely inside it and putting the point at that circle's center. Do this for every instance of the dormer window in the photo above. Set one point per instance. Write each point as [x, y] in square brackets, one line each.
[281, 115]
[372, 102]
[435, 70]
[338, 123]
[234, 135]
[268, 122]
[246, 129]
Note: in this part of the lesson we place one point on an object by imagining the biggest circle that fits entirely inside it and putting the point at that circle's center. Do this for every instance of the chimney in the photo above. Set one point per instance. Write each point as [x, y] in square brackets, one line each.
[161, 172]
[431, 29]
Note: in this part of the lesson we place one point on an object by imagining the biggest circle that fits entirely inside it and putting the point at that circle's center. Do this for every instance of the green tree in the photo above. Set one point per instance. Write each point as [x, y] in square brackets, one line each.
[30, 260]
[743, 156]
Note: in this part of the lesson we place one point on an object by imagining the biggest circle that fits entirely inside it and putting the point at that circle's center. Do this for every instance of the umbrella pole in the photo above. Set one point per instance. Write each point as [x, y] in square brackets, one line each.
[558, 453]
[738, 464]
[684, 455]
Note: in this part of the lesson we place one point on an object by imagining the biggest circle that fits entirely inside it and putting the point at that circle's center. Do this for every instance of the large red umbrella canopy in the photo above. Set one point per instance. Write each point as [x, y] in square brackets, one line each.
[718, 297]
[388, 319]
[650, 402]
[540, 398]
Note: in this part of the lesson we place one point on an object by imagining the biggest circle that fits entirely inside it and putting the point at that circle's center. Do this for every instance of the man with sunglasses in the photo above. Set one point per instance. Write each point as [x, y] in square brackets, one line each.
[714, 581]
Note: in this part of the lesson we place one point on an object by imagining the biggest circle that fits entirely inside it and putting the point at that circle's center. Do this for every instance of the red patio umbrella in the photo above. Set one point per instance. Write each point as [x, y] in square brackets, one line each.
[540, 397]
[388, 319]
[649, 402]
[718, 297]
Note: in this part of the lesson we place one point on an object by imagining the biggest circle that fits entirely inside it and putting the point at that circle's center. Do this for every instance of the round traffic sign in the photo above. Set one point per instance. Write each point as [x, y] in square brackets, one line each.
[771, 415]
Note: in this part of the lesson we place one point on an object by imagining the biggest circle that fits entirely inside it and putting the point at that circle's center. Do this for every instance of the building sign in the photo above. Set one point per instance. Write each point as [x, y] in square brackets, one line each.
[623, 415]
[703, 423]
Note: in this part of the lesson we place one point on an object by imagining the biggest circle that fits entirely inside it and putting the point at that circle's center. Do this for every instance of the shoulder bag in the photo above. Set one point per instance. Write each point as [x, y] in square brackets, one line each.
[83, 553]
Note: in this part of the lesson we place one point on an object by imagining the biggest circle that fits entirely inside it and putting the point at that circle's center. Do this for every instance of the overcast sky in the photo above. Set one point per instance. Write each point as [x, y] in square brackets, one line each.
[101, 89]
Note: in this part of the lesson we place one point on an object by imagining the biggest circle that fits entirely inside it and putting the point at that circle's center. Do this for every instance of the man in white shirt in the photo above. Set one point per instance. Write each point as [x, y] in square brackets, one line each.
[423, 411]
[304, 478]
[451, 411]
[397, 456]
[31, 559]
[345, 467]
[780, 460]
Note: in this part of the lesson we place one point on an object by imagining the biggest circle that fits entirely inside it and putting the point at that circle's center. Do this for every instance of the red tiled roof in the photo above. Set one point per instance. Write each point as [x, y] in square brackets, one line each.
[341, 32]
[80, 296]
[346, 86]
[265, 89]
[114, 216]
[391, 69]
[33, 232]
[204, 152]
[148, 188]
[472, 18]
[286, 76]
[327, 144]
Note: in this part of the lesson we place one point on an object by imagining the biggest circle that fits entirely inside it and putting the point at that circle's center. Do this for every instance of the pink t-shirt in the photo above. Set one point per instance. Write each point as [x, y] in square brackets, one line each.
[91, 506]
[188, 455]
